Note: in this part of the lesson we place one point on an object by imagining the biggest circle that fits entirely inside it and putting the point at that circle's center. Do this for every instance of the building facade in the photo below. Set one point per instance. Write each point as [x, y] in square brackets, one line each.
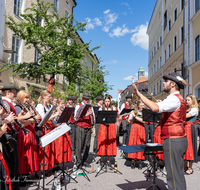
[173, 36]
[9, 41]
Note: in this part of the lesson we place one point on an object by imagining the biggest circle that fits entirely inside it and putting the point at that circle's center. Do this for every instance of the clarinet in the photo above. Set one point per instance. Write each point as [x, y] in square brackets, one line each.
[36, 114]
[16, 120]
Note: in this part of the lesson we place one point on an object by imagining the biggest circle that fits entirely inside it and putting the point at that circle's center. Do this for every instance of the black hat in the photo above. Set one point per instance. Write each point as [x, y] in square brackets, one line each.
[176, 78]
[99, 97]
[72, 97]
[129, 96]
[9, 86]
[86, 95]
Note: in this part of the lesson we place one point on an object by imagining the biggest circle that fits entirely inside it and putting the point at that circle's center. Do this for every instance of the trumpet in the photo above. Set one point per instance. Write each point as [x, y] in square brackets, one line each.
[125, 114]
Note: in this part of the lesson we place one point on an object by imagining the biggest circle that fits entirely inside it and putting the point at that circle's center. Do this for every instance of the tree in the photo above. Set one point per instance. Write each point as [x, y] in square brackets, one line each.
[56, 42]
[92, 80]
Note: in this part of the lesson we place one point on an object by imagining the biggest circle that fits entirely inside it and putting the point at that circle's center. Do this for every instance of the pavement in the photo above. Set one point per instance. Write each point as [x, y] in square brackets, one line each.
[130, 179]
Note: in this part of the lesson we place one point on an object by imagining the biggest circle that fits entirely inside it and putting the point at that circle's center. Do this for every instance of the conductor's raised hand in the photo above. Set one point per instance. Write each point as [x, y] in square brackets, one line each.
[135, 90]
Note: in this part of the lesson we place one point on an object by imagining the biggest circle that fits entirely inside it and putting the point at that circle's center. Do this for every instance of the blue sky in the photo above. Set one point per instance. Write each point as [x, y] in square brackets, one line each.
[120, 26]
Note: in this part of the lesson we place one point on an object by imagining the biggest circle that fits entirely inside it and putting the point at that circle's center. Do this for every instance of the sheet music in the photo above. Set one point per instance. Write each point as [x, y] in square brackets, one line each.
[54, 134]
[79, 111]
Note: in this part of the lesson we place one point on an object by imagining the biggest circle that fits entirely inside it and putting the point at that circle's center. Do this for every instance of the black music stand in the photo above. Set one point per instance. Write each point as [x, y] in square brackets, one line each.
[148, 149]
[96, 109]
[65, 116]
[126, 111]
[106, 117]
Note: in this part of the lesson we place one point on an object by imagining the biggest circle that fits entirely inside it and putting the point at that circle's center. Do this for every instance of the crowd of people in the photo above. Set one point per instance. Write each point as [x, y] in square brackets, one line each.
[20, 133]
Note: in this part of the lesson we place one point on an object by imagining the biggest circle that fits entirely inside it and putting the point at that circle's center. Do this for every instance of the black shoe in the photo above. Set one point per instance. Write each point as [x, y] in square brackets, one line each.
[133, 166]
[86, 165]
[22, 182]
[140, 166]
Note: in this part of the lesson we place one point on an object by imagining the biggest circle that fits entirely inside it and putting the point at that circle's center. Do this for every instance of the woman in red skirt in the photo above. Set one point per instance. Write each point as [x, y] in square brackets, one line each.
[58, 143]
[191, 116]
[107, 144]
[137, 134]
[27, 144]
[42, 108]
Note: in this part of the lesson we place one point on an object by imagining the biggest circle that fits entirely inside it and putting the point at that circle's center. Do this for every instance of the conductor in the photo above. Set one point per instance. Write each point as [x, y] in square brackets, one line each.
[173, 110]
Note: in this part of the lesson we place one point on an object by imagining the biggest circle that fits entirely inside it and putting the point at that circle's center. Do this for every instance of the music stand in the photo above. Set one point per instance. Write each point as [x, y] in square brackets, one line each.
[65, 116]
[154, 117]
[126, 111]
[47, 139]
[148, 149]
[96, 109]
[106, 117]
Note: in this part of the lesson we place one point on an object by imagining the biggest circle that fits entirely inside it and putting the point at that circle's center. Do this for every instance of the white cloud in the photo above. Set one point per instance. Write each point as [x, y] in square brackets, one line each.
[128, 78]
[146, 74]
[107, 11]
[110, 18]
[125, 3]
[114, 61]
[106, 28]
[97, 21]
[124, 13]
[140, 38]
[121, 31]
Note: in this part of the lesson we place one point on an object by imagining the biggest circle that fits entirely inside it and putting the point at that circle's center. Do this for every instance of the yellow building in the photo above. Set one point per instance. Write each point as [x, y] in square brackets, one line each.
[172, 32]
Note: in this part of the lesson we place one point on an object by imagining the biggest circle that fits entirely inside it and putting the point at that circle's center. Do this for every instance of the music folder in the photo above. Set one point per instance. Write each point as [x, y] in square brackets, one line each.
[151, 116]
[106, 117]
[126, 111]
[82, 111]
[66, 114]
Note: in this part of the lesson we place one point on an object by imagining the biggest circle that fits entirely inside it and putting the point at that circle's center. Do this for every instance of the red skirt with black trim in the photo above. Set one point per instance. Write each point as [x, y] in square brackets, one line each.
[107, 140]
[137, 136]
[27, 150]
[157, 139]
[189, 154]
[49, 150]
[5, 179]
[58, 143]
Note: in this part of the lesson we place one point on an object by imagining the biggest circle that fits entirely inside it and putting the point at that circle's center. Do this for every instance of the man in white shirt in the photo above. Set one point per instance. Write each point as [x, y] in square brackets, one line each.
[173, 110]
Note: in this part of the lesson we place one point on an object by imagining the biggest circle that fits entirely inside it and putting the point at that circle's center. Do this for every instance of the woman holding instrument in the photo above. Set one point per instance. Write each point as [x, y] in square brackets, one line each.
[137, 134]
[27, 144]
[191, 116]
[107, 144]
[59, 141]
[42, 108]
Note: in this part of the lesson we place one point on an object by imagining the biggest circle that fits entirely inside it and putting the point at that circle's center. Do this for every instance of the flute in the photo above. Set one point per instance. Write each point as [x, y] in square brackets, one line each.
[16, 120]
[36, 114]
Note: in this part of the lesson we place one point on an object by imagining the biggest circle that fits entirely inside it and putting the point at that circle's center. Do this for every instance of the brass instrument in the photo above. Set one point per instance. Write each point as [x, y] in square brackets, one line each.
[129, 113]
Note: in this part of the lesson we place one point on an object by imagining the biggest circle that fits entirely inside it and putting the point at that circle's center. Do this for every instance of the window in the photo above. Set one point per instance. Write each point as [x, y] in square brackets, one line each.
[160, 62]
[36, 55]
[55, 4]
[169, 50]
[39, 20]
[165, 56]
[157, 46]
[16, 43]
[197, 5]
[182, 4]
[175, 14]
[152, 54]
[66, 13]
[17, 7]
[157, 88]
[160, 86]
[169, 24]
[182, 34]
[157, 65]
[154, 68]
[160, 40]
[197, 48]
[175, 43]
[154, 50]
[165, 19]
[154, 90]
[151, 72]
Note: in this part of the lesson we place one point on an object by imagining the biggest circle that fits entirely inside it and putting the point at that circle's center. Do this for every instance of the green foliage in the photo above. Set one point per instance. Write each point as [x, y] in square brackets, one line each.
[33, 96]
[92, 80]
[56, 42]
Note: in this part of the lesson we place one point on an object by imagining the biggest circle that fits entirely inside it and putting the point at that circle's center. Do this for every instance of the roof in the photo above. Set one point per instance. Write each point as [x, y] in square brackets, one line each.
[142, 79]
[120, 91]
[141, 69]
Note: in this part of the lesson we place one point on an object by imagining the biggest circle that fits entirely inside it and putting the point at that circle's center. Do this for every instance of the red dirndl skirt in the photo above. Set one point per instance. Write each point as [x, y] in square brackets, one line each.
[189, 154]
[27, 150]
[137, 136]
[49, 150]
[110, 144]
[58, 143]
[5, 179]
[157, 139]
